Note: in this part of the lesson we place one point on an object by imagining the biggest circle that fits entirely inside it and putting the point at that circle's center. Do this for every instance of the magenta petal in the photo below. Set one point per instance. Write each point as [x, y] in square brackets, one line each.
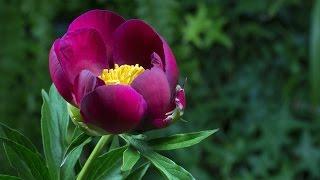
[59, 77]
[79, 50]
[160, 123]
[171, 68]
[105, 22]
[156, 60]
[153, 86]
[85, 83]
[133, 43]
[114, 108]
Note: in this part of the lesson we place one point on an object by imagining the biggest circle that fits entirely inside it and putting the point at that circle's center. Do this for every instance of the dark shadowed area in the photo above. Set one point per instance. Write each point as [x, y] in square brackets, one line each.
[253, 70]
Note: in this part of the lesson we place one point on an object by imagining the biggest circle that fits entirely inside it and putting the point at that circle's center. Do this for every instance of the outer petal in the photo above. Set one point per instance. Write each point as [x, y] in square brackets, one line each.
[171, 68]
[84, 83]
[105, 22]
[114, 108]
[59, 77]
[79, 50]
[134, 41]
[154, 87]
[175, 111]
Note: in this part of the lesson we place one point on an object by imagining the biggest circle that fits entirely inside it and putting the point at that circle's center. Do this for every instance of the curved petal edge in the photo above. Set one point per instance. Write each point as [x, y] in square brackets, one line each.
[114, 108]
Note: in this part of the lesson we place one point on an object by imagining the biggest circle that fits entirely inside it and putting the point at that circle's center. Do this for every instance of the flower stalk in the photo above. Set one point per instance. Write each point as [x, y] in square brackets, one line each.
[94, 154]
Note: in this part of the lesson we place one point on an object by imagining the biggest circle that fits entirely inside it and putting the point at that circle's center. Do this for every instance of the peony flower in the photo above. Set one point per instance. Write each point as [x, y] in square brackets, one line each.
[121, 74]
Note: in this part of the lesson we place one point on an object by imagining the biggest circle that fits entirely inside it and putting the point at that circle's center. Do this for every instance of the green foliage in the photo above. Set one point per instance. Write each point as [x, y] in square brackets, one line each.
[315, 53]
[130, 158]
[167, 167]
[62, 157]
[248, 69]
[17, 136]
[33, 165]
[139, 172]
[203, 32]
[69, 162]
[6, 177]
[160, 14]
[76, 142]
[179, 140]
[54, 125]
[103, 166]
[22, 155]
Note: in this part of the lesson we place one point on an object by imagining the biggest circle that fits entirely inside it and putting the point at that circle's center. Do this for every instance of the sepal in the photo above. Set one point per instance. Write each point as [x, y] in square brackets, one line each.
[77, 119]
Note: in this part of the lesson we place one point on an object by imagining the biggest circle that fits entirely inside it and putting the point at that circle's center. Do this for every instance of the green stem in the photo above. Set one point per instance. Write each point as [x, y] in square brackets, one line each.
[94, 154]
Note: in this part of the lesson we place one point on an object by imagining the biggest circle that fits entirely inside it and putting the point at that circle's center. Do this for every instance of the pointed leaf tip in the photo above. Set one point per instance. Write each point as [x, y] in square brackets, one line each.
[180, 140]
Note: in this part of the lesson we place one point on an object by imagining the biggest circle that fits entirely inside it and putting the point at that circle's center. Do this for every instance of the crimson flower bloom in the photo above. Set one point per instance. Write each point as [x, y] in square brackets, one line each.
[121, 74]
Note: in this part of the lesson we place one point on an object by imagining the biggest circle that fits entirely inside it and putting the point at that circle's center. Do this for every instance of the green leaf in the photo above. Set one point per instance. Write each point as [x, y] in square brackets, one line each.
[137, 142]
[76, 142]
[17, 137]
[167, 167]
[12, 156]
[105, 164]
[113, 173]
[7, 177]
[31, 160]
[180, 140]
[114, 143]
[17, 163]
[315, 53]
[130, 158]
[139, 172]
[54, 124]
[71, 159]
[76, 132]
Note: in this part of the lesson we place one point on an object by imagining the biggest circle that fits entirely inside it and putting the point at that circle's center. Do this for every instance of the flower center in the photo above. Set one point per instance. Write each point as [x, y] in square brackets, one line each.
[123, 74]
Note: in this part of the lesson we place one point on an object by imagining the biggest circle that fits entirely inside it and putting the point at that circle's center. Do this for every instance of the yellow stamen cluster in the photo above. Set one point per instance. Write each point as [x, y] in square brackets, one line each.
[123, 74]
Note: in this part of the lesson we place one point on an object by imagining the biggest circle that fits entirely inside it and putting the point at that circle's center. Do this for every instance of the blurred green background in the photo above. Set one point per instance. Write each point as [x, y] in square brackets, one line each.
[253, 70]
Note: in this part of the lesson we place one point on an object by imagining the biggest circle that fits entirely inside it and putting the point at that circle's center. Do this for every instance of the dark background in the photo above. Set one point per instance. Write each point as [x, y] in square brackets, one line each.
[249, 72]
